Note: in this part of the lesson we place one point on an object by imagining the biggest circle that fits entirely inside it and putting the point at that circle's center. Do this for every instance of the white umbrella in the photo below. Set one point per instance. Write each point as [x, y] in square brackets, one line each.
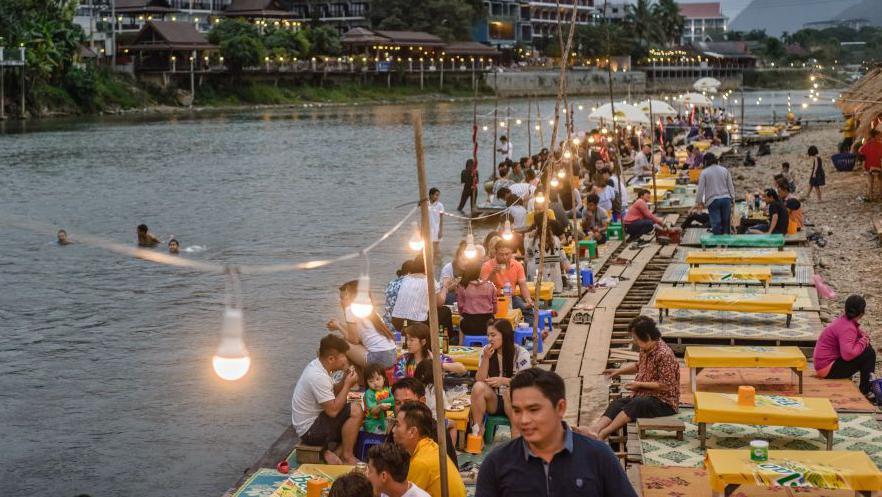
[709, 85]
[696, 99]
[624, 114]
[659, 108]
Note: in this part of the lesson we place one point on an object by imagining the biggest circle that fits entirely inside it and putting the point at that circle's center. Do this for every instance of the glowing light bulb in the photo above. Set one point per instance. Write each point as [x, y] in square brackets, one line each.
[567, 155]
[590, 140]
[362, 306]
[416, 240]
[470, 251]
[604, 131]
[518, 122]
[231, 362]
[538, 127]
[576, 141]
[485, 128]
[805, 106]
[540, 197]
[554, 183]
[501, 124]
[581, 108]
[551, 122]
[506, 231]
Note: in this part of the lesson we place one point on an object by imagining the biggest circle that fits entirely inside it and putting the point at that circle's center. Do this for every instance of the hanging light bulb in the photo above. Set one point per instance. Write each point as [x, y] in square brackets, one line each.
[540, 197]
[470, 251]
[562, 173]
[538, 127]
[518, 122]
[576, 141]
[581, 107]
[551, 122]
[231, 361]
[362, 306]
[554, 184]
[506, 231]
[484, 128]
[567, 155]
[416, 240]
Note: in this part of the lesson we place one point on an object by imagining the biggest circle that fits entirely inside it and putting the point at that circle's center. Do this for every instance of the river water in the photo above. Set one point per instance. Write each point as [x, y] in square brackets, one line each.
[106, 386]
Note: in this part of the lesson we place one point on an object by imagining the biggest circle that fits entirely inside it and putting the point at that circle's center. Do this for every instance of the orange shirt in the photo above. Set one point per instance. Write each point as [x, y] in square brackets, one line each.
[513, 274]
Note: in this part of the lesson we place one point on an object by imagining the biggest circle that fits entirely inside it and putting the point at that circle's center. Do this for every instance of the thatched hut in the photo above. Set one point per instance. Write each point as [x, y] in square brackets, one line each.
[864, 100]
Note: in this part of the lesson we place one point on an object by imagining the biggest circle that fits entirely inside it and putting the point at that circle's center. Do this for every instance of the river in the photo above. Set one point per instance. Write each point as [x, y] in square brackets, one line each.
[106, 385]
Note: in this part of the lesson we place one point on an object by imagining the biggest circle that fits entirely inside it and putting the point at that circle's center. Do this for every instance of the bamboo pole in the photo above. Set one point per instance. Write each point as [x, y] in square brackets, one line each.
[612, 109]
[548, 171]
[473, 197]
[652, 155]
[569, 122]
[433, 308]
[530, 127]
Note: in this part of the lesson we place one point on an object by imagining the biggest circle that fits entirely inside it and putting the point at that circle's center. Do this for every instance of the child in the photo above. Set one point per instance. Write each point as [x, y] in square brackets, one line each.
[424, 373]
[785, 173]
[377, 399]
[817, 178]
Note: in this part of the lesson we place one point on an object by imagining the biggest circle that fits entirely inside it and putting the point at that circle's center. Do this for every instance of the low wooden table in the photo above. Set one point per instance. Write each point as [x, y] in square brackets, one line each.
[744, 356]
[514, 317]
[720, 274]
[677, 298]
[460, 420]
[467, 356]
[767, 240]
[772, 410]
[743, 257]
[852, 470]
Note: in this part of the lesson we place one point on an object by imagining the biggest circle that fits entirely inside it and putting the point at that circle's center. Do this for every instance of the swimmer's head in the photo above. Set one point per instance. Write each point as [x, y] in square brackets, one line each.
[173, 246]
[62, 237]
[142, 228]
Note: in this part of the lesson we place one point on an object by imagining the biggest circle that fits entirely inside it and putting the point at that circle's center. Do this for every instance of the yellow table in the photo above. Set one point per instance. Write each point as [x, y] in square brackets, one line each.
[729, 469]
[467, 356]
[702, 145]
[677, 298]
[460, 420]
[720, 274]
[327, 471]
[773, 410]
[744, 257]
[744, 356]
[514, 317]
[547, 292]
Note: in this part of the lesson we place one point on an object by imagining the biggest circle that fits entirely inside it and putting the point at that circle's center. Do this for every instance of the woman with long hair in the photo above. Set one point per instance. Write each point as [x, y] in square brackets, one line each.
[370, 340]
[476, 299]
[844, 349]
[817, 178]
[500, 360]
[416, 346]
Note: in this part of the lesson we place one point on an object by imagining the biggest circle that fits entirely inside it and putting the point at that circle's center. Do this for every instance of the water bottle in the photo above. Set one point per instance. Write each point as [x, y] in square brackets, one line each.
[756, 201]
[587, 277]
[506, 290]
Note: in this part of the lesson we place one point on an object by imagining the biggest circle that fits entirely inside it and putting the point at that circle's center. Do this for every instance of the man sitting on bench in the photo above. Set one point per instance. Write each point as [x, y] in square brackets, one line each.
[655, 389]
[320, 411]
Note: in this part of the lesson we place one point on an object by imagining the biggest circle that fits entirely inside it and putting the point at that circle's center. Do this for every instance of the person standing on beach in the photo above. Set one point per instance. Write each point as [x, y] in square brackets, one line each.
[716, 191]
[872, 153]
[469, 179]
[436, 221]
[505, 148]
[817, 178]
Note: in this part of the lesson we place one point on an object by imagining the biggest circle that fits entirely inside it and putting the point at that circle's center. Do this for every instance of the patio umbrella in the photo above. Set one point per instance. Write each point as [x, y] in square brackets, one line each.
[709, 85]
[659, 108]
[625, 113]
[696, 99]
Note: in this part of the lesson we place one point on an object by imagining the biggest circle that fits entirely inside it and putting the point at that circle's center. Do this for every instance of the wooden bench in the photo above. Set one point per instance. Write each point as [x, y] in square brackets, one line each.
[725, 274]
[743, 257]
[308, 454]
[771, 241]
[666, 423]
[743, 356]
[676, 298]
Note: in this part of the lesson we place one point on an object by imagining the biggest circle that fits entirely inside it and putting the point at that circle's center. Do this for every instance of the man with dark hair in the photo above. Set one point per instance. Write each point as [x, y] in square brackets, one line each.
[594, 219]
[716, 191]
[412, 389]
[387, 469]
[320, 412]
[469, 179]
[778, 215]
[504, 270]
[549, 458]
[146, 238]
[413, 431]
[62, 238]
[352, 484]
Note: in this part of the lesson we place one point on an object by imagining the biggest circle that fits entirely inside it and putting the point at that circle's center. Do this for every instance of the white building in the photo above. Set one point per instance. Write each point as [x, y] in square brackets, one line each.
[702, 19]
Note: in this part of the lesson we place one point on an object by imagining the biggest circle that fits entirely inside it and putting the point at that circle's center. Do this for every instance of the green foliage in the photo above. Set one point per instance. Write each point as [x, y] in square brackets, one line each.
[324, 40]
[242, 51]
[230, 28]
[670, 22]
[46, 30]
[287, 43]
[448, 19]
[640, 19]
[592, 41]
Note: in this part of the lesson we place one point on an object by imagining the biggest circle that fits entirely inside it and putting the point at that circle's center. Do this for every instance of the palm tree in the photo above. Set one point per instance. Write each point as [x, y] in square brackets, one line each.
[640, 19]
[670, 22]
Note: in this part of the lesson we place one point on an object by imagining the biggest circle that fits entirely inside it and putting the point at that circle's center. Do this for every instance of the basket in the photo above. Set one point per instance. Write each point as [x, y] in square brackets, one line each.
[844, 162]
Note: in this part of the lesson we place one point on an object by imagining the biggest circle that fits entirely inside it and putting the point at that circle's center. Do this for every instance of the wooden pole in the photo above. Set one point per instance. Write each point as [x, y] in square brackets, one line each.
[652, 155]
[433, 308]
[473, 197]
[495, 144]
[612, 109]
[530, 127]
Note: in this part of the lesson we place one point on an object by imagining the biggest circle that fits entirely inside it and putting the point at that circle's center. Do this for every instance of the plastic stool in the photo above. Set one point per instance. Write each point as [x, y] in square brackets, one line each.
[615, 231]
[545, 319]
[522, 334]
[397, 335]
[366, 441]
[490, 426]
[589, 246]
[475, 340]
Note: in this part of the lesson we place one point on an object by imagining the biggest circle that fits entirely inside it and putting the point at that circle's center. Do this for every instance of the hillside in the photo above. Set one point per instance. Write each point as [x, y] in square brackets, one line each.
[777, 16]
[868, 9]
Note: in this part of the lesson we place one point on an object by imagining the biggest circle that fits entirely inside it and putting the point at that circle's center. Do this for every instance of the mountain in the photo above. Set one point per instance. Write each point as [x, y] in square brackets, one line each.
[777, 16]
[868, 9]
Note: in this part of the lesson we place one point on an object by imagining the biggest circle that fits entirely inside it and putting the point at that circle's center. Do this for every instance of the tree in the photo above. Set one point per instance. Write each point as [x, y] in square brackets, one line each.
[46, 30]
[242, 51]
[670, 22]
[448, 19]
[591, 41]
[231, 28]
[288, 43]
[639, 18]
[324, 40]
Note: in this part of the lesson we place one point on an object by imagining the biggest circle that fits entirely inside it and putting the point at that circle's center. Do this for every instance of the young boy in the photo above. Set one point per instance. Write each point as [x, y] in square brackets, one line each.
[785, 173]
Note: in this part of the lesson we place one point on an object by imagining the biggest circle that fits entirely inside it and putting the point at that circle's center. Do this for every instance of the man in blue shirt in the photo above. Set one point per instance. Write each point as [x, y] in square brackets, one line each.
[549, 459]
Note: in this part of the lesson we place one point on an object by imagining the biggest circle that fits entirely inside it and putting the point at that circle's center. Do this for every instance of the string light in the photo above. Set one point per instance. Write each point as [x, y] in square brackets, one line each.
[554, 184]
[231, 361]
[551, 122]
[591, 140]
[567, 155]
[540, 197]
[416, 240]
[485, 128]
[506, 231]
[470, 250]
[561, 173]
[538, 127]
[576, 141]
[362, 306]
[604, 131]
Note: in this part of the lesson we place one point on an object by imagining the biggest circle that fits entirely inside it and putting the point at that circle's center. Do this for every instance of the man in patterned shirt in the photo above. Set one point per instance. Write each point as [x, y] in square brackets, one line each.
[655, 389]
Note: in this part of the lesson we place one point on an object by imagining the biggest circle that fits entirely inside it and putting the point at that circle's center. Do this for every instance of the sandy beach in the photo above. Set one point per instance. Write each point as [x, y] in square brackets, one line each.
[851, 260]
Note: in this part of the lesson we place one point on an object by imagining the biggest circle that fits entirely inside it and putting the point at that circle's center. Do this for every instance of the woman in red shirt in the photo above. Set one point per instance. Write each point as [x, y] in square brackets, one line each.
[476, 299]
[639, 220]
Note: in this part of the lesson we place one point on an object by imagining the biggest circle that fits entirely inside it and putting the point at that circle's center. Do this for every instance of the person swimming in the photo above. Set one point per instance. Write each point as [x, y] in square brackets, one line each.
[146, 238]
[62, 238]
[174, 247]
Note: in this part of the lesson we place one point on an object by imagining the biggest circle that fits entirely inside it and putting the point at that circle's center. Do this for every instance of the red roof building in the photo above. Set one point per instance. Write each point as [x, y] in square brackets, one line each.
[701, 20]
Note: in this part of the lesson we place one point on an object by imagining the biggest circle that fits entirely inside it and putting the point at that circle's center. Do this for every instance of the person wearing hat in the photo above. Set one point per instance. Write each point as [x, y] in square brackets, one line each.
[716, 191]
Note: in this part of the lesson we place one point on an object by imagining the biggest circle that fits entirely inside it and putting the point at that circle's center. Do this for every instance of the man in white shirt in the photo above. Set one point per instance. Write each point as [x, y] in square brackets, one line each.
[387, 469]
[436, 221]
[505, 148]
[643, 163]
[526, 188]
[320, 411]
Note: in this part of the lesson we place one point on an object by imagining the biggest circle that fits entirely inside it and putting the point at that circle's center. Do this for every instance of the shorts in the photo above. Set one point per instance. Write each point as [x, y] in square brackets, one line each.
[475, 324]
[385, 358]
[500, 406]
[325, 430]
[643, 406]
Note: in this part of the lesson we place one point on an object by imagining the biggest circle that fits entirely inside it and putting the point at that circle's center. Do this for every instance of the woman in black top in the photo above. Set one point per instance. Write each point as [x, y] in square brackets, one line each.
[817, 178]
[778, 215]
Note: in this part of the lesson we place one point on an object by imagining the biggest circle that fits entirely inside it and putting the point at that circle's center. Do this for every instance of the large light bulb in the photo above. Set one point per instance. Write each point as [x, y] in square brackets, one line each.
[554, 183]
[506, 231]
[561, 173]
[470, 251]
[416, 240]
[231, 360]
[540, 197]
[590, 140]
[567, 155]
[576, 141]
[604, 131]
[362, 305]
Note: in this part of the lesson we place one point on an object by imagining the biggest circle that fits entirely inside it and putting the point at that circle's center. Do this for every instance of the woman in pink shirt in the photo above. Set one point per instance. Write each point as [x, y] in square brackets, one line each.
[639, 220]
[843, 349]
[476, 299]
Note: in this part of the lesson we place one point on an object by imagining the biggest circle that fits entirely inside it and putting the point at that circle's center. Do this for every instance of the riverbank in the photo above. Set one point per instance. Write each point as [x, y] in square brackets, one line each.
[850, 259]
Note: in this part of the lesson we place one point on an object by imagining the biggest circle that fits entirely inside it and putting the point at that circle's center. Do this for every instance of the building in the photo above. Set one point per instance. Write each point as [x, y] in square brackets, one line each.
[503, 26]
[341, 14]
[168, 46]
[702, 19]
[855, 24]
[543, 15]
[614, 12]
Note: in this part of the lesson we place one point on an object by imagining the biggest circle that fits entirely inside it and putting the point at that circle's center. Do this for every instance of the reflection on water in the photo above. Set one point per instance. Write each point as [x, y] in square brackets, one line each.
[105, 371]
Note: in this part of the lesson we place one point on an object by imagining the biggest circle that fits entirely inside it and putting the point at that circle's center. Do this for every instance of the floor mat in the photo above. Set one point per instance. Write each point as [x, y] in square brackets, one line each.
[686, 323]
[856, 432]
[671, 481]
[843, 394]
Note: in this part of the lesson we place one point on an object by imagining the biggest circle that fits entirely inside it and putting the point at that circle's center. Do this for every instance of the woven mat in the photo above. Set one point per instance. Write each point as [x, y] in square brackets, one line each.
[685, 323]
[856, 432]
[692, 237]
[843, 394]
[671, 481]
[781, 275]
[806, 297]
[803, 254]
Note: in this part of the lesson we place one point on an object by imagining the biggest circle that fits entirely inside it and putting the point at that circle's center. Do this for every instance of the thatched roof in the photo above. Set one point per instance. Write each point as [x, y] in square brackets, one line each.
[166, 35]
[864, 100]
